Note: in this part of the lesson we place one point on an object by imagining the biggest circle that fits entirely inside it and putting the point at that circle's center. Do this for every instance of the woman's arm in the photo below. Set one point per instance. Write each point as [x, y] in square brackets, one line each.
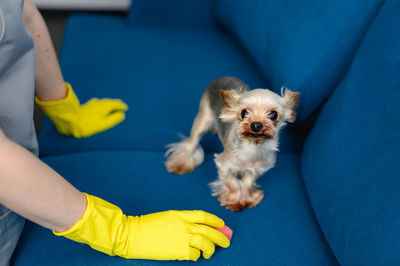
[50, 83]
[56, 98]
[35, 191]
[32, 189]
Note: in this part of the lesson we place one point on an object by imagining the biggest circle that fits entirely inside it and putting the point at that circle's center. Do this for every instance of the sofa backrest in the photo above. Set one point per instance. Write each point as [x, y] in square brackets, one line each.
[305, 45]
[173, 13]
[350, 162]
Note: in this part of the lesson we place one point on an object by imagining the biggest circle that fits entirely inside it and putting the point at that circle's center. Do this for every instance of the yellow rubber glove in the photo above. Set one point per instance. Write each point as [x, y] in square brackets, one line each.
[71, 118]
[170, 235]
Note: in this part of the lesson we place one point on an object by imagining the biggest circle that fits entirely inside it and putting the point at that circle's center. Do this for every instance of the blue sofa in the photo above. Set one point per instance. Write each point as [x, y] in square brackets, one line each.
[332, 197]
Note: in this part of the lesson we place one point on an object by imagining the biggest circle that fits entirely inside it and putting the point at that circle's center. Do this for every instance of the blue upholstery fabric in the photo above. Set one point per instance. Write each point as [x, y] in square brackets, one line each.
[350, 162]
[160, 58]
[160, 72]
[304, 45]
[280, 231]
[173, 13]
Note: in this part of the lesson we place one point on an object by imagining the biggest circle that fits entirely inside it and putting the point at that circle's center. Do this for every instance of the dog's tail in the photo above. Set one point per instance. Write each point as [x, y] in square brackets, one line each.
[183, 156]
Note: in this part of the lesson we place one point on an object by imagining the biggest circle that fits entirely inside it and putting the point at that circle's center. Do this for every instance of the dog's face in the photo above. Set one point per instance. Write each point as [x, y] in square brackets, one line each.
[259, 113]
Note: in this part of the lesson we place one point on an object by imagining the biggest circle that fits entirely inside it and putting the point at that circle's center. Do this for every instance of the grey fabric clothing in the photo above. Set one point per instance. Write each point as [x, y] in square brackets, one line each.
[17, 61]
[11, 225]
[17, 72]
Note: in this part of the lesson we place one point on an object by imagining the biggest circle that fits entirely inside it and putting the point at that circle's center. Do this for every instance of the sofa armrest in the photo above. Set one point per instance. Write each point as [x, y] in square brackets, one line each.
[172, 13]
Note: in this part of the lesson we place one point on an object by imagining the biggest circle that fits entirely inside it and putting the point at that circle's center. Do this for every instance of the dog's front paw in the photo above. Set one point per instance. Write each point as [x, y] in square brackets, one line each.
[254, 197]
[232, 200]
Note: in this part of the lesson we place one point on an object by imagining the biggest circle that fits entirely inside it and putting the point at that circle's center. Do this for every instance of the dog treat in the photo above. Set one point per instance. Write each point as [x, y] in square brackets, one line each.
[226, 231]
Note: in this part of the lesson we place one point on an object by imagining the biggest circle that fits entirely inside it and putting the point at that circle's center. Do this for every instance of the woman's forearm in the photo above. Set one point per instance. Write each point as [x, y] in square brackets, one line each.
[35, 191]
[49, 80]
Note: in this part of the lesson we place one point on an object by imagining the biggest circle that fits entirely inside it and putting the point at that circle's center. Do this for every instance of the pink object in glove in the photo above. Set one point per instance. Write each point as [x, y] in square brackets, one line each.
[226, 231]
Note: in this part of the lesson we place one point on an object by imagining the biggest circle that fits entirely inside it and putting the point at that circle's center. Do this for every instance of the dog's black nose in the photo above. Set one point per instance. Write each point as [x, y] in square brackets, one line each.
[256, 126]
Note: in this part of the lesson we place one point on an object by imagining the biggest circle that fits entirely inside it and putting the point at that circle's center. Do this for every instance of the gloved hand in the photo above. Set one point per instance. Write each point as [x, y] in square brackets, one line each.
[71, 118]
[170, 235]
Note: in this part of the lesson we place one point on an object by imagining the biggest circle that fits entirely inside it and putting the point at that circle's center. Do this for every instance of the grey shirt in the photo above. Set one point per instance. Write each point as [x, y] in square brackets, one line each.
[17, 62]
[17, 76]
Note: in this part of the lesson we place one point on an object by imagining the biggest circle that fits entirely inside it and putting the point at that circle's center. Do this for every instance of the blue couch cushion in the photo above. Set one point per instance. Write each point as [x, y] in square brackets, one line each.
[350, 161]
[160, 72]
[305, 45]
[173, 13]
[281, 230]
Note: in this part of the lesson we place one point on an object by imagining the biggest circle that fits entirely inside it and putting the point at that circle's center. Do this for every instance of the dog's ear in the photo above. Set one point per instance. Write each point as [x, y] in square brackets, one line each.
[291, 99]
[230, 98]
[231, 101]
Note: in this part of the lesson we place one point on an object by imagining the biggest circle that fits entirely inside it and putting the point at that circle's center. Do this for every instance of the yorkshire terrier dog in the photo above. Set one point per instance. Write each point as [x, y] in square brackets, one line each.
[247, 123]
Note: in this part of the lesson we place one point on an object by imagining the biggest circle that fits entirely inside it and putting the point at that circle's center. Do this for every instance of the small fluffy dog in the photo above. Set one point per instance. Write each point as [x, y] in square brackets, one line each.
[247, 123]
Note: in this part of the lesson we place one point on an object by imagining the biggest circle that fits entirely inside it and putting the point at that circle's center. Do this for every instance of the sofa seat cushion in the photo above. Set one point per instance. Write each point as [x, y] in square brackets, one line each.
[350, 161]
[306, 45]
[280, 230]
[160, 72]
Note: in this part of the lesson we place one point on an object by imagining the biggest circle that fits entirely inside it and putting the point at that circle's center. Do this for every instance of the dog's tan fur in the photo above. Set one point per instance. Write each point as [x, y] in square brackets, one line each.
[181, 161]
[247, 153]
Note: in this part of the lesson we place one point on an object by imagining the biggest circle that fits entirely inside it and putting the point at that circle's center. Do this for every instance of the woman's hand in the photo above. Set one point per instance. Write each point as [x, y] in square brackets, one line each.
[73, 119]
[170, 235]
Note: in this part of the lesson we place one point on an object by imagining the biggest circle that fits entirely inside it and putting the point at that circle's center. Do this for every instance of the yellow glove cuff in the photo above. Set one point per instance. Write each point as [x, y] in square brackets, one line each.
[64, 113]
[77, 225]
[70, 97]
[103, 227]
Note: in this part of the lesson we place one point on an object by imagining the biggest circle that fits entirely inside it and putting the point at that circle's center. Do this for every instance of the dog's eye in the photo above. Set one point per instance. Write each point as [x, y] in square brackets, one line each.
[273, 115]
[244, 113]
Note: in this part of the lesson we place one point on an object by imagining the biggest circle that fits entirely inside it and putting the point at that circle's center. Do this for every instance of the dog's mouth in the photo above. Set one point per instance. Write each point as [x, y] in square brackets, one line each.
[267, 132]
[256, 135]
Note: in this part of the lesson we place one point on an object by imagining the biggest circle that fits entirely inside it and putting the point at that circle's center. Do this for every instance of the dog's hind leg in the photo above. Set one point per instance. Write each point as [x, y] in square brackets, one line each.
[184, 156]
